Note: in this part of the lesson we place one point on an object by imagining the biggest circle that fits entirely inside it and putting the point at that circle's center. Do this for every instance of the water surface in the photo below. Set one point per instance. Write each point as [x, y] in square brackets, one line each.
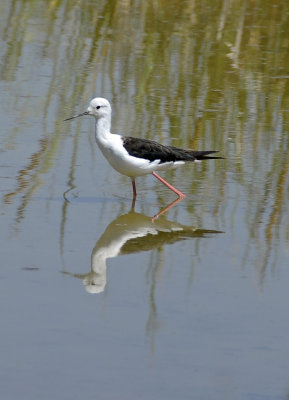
[98, 301]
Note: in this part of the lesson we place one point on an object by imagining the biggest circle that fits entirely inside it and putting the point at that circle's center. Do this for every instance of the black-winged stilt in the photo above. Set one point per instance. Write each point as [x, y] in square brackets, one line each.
[135, 157]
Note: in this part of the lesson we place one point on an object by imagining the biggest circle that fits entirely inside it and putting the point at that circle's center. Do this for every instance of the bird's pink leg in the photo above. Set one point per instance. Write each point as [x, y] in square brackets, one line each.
[167, 208]
[180, 194]
[133, 188]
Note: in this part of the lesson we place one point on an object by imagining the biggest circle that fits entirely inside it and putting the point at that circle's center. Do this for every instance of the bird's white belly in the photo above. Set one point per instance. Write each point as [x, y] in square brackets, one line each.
[125, 164]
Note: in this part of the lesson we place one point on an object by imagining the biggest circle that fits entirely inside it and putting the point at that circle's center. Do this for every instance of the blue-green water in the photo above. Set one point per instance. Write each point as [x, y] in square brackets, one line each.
[97, 301]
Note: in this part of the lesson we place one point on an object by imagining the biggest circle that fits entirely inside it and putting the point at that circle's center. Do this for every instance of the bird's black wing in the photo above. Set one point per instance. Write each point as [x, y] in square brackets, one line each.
[151, 150]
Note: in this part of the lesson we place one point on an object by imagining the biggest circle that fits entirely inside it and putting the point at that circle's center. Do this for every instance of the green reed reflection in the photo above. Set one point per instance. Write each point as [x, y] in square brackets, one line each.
[206, 75]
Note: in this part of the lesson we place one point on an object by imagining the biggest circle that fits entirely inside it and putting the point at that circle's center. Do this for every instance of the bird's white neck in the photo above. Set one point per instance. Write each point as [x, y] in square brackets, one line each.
[102, 128]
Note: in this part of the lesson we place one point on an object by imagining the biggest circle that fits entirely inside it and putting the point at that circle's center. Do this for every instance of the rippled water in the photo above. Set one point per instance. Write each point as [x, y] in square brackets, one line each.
[97, 300]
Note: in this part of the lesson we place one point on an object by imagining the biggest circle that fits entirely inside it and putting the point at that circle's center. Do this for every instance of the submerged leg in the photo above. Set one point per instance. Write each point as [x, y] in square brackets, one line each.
[133, 188]
[172, 204]
[180, 194]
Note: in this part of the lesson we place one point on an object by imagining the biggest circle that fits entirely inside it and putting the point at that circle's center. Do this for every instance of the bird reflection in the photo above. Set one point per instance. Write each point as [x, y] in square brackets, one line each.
[131, 233]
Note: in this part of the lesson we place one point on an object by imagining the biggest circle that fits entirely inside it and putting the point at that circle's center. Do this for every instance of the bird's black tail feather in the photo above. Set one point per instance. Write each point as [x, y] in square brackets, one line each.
[205, 155]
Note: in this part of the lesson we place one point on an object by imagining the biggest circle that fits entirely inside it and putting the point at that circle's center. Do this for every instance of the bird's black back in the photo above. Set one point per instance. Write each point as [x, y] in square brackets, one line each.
[151, 150]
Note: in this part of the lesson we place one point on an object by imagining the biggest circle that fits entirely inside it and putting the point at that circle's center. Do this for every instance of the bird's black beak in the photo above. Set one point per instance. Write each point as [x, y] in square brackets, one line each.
[76, 116]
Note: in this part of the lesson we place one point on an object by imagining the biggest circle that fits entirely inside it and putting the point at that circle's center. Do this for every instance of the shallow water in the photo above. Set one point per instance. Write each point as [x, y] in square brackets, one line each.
[98, 301]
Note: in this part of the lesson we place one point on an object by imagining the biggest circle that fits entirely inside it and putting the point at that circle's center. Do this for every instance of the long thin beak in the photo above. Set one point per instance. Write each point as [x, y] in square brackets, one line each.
[76, 116]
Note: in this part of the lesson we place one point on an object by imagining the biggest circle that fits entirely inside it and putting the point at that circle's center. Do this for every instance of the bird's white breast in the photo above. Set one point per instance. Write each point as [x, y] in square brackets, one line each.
[112, 148]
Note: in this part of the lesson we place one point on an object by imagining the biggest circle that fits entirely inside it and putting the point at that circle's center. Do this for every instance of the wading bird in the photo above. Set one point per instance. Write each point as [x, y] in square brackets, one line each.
[133, 156]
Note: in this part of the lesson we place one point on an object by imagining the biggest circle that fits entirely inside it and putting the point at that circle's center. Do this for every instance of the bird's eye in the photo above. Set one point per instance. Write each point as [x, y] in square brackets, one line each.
[97, 107]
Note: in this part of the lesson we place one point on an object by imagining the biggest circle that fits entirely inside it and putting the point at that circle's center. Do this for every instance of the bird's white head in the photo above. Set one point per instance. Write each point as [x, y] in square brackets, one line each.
[98, 108]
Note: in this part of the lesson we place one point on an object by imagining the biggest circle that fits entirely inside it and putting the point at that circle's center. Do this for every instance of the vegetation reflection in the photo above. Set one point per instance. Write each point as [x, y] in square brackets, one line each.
[192, 74]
